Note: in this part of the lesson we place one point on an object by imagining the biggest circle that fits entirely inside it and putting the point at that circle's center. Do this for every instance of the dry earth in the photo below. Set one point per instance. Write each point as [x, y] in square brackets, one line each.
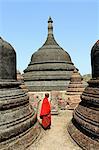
[56, 138]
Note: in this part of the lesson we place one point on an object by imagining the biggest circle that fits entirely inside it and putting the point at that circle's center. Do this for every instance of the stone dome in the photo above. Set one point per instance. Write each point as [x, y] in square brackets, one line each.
[50, 51]
[8, 63]
[50, 67]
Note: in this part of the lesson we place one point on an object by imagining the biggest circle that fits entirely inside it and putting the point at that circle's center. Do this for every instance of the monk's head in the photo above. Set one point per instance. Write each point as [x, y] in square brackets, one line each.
[47, 95]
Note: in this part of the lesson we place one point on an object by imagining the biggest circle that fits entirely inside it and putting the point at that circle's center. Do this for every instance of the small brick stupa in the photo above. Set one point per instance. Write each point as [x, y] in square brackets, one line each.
[74, 90]
[18, 123]
[21, 80]
[84, 127]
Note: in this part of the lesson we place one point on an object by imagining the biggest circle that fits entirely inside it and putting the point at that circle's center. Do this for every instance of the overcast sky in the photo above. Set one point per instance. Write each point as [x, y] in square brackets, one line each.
[23, 23]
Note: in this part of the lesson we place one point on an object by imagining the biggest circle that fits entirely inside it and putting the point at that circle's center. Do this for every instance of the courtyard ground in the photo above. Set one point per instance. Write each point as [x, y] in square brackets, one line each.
[56, 138]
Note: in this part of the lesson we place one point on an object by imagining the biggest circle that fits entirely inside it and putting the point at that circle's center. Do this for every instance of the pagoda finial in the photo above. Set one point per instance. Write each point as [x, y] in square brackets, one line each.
[50, 26]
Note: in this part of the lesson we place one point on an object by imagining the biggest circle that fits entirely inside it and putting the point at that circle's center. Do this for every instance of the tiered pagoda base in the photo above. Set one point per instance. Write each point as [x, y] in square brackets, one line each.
[18, 123]
[84, 127]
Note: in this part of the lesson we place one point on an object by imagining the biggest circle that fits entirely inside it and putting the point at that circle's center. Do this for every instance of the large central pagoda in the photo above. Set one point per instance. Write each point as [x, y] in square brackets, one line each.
[50, 67]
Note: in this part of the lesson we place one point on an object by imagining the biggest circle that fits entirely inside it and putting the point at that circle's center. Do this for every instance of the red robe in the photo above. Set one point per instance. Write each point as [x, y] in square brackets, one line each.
[45, 113]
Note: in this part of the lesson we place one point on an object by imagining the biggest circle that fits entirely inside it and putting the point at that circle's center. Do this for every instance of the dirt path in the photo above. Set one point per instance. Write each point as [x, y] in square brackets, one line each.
[56, 138]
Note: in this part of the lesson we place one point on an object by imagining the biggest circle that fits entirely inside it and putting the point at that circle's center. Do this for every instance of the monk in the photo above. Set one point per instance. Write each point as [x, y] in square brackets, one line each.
[45, 113]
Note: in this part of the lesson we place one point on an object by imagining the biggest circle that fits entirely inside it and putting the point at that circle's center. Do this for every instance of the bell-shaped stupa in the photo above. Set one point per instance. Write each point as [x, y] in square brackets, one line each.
[18, 123]
[84, 127]
[50, 67]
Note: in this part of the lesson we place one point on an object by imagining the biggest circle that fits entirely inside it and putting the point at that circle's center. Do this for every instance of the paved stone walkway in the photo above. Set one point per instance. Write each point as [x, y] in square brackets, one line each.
[56, 138]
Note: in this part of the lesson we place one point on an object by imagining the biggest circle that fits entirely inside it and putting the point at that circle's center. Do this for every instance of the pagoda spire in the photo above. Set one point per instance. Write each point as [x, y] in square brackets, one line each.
[50, 27]
[50, 36]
